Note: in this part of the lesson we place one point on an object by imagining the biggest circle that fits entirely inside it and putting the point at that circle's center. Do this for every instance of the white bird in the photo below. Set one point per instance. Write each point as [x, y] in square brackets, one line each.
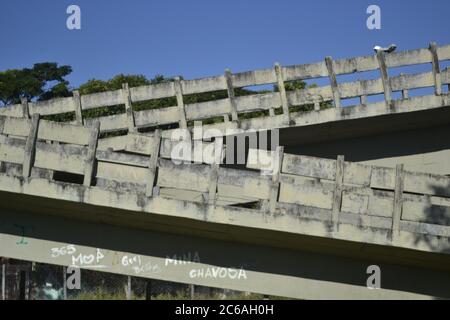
[389, 49]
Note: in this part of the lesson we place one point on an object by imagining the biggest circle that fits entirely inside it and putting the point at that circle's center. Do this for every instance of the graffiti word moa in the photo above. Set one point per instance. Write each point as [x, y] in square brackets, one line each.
[218, 273]
[87, 259]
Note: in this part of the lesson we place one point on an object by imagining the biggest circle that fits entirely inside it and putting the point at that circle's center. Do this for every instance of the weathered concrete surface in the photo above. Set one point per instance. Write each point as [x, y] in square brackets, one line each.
[307, 189]
[338, 207]
[45, 212]
[266, 101]
[417, 139]
[298, 220]
[268, 263]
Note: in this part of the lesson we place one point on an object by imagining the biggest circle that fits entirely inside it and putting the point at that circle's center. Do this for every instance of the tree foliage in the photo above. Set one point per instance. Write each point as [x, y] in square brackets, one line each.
[43, 81]
[94, 85]
[47, 80]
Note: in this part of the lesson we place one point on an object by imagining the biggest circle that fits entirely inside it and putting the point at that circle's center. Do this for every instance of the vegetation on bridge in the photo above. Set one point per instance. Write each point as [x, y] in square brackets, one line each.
[47, 80]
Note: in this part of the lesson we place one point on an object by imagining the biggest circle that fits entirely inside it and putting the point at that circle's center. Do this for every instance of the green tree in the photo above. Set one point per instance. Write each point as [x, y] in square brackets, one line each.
[43, 81]
[300, 85]
[115, 83]
[292, 85]
[47, 80]
[95, 85]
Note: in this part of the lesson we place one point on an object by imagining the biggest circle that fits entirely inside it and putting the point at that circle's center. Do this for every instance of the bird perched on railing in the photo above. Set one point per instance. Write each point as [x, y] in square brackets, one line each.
[389, 49]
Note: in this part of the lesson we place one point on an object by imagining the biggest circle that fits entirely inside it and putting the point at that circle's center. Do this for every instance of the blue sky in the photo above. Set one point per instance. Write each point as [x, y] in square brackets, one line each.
[203, 37]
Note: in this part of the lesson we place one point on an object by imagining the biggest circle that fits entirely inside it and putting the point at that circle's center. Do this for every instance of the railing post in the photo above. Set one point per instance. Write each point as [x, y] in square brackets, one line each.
[333, 82]
[77, 105]
[90, 156]
[275, 183]
[362, 98]
[405, 92]
[271, 112]
[180, 101]
[30, 146]
[214, 174]
[398, 199]
[385, 78]
[2, 126]
[231, 96]
[337, 197]
[436, 69]
[316, 105]
[25, 107]
[128, 107]
[153, 164]
[282, 90]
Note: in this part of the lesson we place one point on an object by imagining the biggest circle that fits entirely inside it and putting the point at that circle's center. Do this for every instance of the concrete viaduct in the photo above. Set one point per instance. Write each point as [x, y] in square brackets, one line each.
[350, 186]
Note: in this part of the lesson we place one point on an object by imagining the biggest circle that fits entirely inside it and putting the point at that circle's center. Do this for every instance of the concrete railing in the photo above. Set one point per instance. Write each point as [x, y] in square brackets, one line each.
[334, 192]
[375, 196]
[235, 106]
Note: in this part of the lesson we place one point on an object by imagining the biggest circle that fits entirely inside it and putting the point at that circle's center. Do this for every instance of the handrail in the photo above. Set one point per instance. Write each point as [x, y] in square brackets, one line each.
[380, 197]
[235, 105]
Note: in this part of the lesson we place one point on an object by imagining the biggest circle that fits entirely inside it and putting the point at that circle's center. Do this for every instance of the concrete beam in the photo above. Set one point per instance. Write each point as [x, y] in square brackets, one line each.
[208, 262]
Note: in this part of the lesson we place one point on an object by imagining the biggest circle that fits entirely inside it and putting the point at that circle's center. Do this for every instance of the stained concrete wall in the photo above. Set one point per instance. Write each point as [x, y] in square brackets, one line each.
[423, 149]
[209, 262]
[304, 275]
